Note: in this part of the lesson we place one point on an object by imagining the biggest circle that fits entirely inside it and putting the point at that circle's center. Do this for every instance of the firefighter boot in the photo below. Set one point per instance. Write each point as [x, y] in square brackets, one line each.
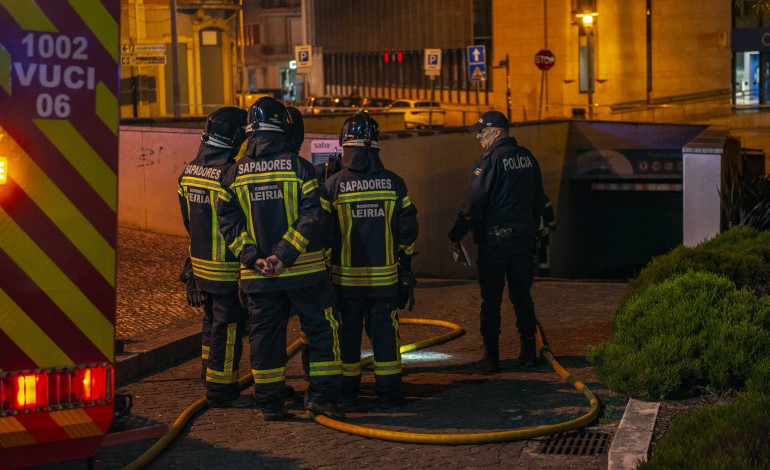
[528, 356]
[490, 363]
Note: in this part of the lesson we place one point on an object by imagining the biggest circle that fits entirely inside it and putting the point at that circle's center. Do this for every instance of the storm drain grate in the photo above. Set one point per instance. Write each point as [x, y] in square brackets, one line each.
[575, 443]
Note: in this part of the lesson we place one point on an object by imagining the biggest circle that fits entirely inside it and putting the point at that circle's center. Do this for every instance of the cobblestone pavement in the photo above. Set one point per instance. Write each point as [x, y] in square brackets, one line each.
[445, 393]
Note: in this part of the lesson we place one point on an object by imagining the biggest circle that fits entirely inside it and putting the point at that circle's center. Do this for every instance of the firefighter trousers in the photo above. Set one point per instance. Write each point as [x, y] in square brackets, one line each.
[378, 315]
[223, 322]
[269, 315]
[499, 260]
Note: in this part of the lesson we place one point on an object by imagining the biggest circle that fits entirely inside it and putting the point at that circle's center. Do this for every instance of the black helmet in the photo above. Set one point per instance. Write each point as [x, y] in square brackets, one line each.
[224, 128]
[360, 130]
[268, 114]
[295, 135]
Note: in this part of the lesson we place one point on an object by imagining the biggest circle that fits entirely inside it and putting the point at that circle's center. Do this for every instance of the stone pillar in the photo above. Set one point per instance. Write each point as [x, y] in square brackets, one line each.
[702, 178]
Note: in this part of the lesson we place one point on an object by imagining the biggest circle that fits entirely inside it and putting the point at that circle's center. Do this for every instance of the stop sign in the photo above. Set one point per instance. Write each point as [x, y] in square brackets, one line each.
[545, 59]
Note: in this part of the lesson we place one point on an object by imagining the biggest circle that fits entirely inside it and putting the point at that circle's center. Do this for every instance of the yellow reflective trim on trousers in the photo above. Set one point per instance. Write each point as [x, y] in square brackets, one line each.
[218, 377]
[204, 352]
[387, 368]
[397, 329]
[389, 242]
[408, 249]
[335, 324]
[325, 368]
[232, 329]
[269, 375]
[351, 370]
[365, 270]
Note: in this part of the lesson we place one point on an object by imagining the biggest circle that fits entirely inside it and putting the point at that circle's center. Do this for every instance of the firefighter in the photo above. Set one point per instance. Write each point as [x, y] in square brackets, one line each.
[270, 221]
[502, 205]
[210, 270]
[375, 230]
[547, 225]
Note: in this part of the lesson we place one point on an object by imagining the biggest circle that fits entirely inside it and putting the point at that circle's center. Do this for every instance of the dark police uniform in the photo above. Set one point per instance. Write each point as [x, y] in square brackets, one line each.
[502, 206]
[214, 268]
[274, 208]
[375, 230]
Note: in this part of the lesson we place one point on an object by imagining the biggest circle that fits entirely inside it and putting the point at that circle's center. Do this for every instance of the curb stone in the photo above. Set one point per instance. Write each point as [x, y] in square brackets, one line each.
[632, 439]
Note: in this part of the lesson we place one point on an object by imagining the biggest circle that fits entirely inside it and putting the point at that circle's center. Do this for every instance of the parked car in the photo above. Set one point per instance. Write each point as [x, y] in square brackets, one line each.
[319, 104]
[418, 114]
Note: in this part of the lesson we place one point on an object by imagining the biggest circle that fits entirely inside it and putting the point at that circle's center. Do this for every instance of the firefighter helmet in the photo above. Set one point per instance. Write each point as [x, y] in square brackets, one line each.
[360, 130]
[295, 135]
[225, 128]
[268, 114]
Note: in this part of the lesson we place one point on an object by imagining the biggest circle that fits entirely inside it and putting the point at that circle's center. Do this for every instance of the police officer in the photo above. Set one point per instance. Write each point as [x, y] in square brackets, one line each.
[270, 221]
[502, 205]
[210, 271]
[375, 230]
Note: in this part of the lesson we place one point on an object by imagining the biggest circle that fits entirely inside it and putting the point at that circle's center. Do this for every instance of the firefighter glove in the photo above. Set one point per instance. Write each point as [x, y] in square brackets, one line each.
[406, 285]
[195, 297]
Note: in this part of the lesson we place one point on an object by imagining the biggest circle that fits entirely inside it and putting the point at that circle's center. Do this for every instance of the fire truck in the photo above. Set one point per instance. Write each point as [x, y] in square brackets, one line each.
[58, 227]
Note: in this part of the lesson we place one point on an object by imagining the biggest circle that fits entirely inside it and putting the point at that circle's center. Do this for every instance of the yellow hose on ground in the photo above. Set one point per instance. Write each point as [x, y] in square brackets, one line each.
[473, 438]
[397, 436]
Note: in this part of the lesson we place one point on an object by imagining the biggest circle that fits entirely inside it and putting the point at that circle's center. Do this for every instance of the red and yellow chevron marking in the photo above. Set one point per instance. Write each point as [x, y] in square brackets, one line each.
[58, 207]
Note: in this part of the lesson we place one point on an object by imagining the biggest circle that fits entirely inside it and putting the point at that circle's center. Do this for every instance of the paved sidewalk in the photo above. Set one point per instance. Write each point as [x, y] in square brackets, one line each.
[446, 393]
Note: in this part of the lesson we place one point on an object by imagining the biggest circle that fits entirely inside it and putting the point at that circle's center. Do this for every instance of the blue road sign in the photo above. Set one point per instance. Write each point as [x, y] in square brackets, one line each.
[477, 72]
[477, 55]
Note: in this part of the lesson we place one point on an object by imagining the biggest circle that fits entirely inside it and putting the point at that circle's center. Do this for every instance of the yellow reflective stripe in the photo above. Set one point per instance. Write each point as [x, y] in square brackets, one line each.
[365, 270]
[406, 202]
[100, 22]
[408, 249]
[296, 239]
[105, 107]
[202, 183]
[205, 352]
[214, 265]
[364, 282]
[329, 315]
[351, 370]
[390, 256]
[243, 199]
[346, 227]
[83, 157]
[12, 432]
[325, 368]
[306, 263]
[266, 177]
[326, 205]
[76, 423]
[29, 16]
[220, 377]
[310, 186]
[269, 375]
[290, 201]
[347, 198]
[232, 329]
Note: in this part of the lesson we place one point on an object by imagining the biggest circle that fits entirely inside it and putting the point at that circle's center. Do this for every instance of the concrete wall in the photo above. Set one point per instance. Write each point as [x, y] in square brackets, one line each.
[435, 167]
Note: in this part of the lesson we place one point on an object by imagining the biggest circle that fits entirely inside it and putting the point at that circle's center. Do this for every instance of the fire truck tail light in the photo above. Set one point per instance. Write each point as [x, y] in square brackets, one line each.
[3, 170]
[55, 389]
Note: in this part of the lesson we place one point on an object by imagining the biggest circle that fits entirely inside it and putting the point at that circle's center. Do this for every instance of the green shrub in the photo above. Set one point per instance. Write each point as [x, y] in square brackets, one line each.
[690, 332]
[742, 254]
[725, 437]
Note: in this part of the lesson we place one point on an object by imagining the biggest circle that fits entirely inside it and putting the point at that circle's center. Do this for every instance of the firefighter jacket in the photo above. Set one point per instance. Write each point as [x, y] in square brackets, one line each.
[505, 190]
[273, 207]
[200, 189]
[375, 222]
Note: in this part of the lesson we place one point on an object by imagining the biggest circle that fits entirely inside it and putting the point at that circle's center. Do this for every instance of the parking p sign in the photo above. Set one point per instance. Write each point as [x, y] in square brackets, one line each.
[304, 56]
[432, 62]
